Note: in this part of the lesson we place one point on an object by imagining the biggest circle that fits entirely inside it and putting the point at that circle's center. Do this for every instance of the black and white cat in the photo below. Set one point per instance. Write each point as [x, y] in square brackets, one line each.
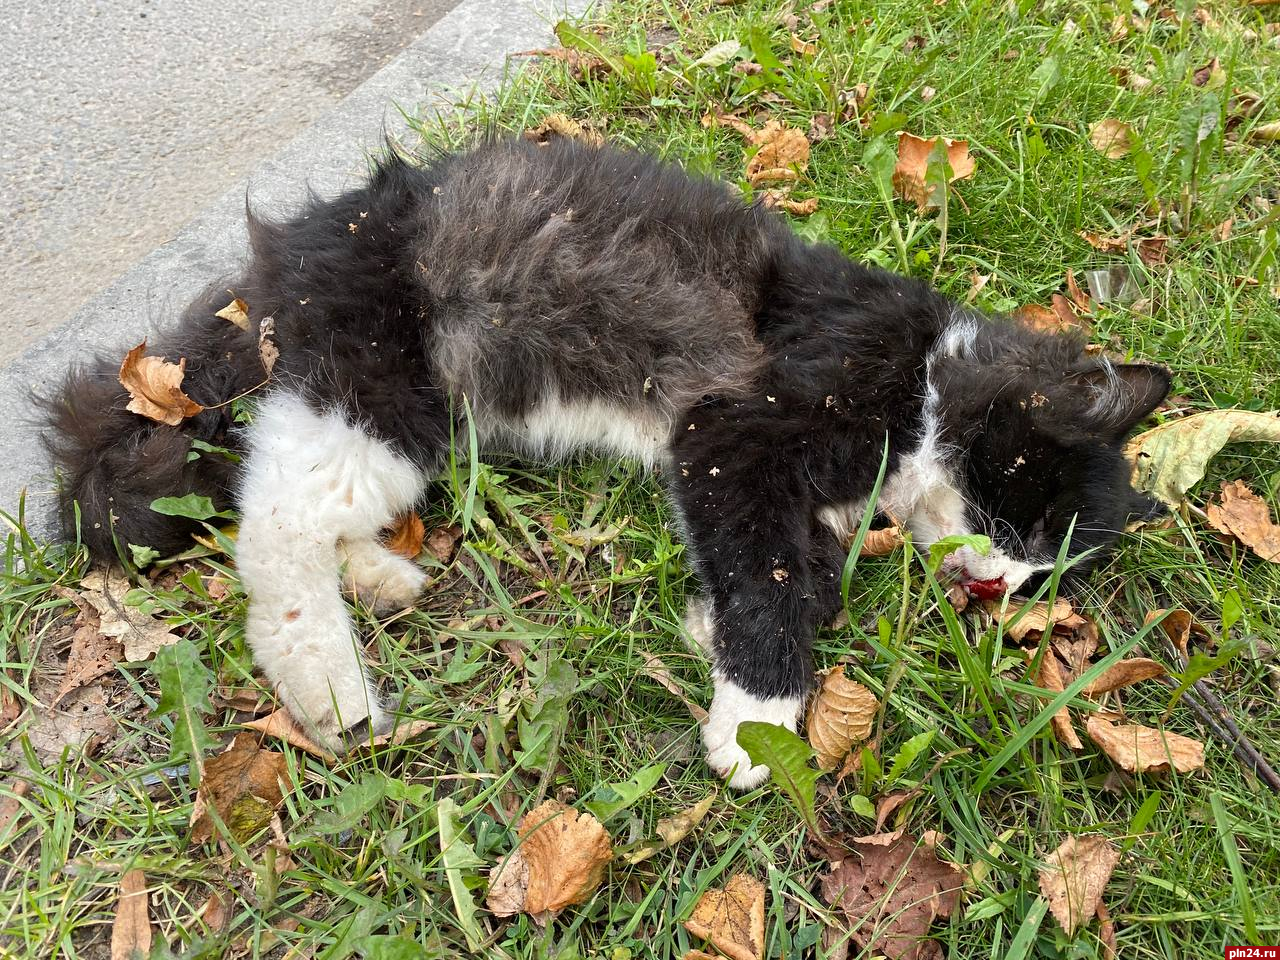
[586, 298]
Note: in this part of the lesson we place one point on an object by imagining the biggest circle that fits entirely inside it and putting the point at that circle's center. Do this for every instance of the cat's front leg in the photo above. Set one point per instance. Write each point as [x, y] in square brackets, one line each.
[311, 480]
[748, 525]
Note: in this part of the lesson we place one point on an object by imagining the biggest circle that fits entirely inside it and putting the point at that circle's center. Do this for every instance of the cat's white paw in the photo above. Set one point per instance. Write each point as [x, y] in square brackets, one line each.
[379, 578]
[731, 706]
[339, 712]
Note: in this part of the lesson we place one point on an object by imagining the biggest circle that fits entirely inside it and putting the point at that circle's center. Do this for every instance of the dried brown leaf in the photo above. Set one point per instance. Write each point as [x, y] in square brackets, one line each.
[93, 655]
[840, 717]
[81, 720]
[582, 65]
[889, 890]
[155, 387]
[237, 312]
[891, 803]
[281, 725]
[882, 542]
[782, 153]
[909, 173]
[1084, 303]
[268, 352]
[1037, 618]
[216, 911]
[1139, 749]
[11, 805]
[782, 200]
[719, 118]
[1178, 626]
[1111, 138]
[1074, 877]
[1039, 318]
[1049, 676]
[1241, 513]
[131, 928]
[140, 633]
[1124, 674]
[406, 535]
[444, 541]
[560, 861]
[732, 919]
[243, 786]
[562, 125]
[1210, 76]
[806, 48]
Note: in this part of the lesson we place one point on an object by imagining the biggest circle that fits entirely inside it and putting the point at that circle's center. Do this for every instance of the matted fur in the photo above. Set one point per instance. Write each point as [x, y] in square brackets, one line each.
[593, 298]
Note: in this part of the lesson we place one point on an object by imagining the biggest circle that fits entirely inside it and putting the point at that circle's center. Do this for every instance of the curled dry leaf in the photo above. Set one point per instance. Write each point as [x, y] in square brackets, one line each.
[131, 928]
[782, 153]
[1111, 138]
[888, 889]
[1178, 626]
[840, 717]
[672, 830]
[1049, 676]
[1241, 513]
[562, 125]
[140, 633]
[1074, 877]
[281, 725]
[1170, 459]
[237, 312]
[781, 200]
[268, 352]
[560, 861]
[882, 542]
[910, 179]
[406, 536]
[1152, 251]
[732, 121]
[1037, 619]
[732, 919]
[1125, 674]
[243, 786]
[1139, 749]
[1043, 319]
[155, 387]
[444, 541]
[657, 671]
[1266, 132]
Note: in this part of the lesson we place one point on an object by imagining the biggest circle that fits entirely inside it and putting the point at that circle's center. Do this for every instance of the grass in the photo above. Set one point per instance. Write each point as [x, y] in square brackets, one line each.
[507, 625]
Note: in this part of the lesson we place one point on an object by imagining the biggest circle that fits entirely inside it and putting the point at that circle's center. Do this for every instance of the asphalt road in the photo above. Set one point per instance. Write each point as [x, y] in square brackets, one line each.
[121, 119]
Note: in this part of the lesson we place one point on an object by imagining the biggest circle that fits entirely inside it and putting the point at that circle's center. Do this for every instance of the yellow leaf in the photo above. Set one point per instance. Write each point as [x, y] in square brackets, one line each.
[840, 717]
[672, 830]
[1170, 459]
[562, 125]
[732, 919]
[1075, 876]
[155, 387]
[237, 312]
[1138, 749]
[1111, 138]
[1243, 514]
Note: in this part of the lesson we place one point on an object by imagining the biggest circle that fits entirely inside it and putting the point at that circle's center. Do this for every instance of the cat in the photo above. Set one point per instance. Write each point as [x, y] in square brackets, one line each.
[567, 298]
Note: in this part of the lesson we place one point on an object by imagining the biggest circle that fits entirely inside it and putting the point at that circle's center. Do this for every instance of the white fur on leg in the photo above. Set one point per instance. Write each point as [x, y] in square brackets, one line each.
[310, 480]
[730, 707]
[699, 626]
[384, 580]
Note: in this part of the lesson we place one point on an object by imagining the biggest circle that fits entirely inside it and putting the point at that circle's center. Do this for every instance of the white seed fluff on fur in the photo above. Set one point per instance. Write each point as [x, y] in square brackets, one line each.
[311, 480]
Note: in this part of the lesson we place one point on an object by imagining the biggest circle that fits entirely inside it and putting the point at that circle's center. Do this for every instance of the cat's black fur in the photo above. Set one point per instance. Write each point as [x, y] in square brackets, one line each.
[515, 271]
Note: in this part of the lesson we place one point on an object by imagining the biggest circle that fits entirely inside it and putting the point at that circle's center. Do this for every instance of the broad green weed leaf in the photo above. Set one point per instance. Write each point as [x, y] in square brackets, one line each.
[940, 548]
[614, 797]
[192, 505]
[718, 55]
[787, 757]
[186, 687]
[350, 806]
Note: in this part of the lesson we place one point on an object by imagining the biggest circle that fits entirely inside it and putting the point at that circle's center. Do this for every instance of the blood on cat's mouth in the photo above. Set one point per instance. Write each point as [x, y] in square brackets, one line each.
[985, 589]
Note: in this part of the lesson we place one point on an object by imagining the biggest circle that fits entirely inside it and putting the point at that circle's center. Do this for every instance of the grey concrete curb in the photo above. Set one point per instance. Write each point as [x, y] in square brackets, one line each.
[463, 52]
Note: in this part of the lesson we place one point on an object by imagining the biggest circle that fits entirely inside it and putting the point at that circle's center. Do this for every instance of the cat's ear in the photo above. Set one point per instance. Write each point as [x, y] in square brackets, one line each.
[1120, 395]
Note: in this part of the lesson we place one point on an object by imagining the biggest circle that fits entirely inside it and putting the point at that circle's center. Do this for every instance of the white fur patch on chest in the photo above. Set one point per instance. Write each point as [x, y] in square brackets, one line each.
[554, 430]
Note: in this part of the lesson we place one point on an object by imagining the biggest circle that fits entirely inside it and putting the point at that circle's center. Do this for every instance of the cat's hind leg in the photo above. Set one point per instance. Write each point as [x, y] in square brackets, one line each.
[383, 580]
[313, 480]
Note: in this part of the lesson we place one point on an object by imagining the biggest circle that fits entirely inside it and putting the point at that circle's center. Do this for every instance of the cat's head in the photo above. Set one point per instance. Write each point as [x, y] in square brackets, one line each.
[1033, 430]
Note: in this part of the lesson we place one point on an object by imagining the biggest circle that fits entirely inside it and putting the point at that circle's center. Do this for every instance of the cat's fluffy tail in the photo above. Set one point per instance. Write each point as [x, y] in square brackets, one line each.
[112, 463]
